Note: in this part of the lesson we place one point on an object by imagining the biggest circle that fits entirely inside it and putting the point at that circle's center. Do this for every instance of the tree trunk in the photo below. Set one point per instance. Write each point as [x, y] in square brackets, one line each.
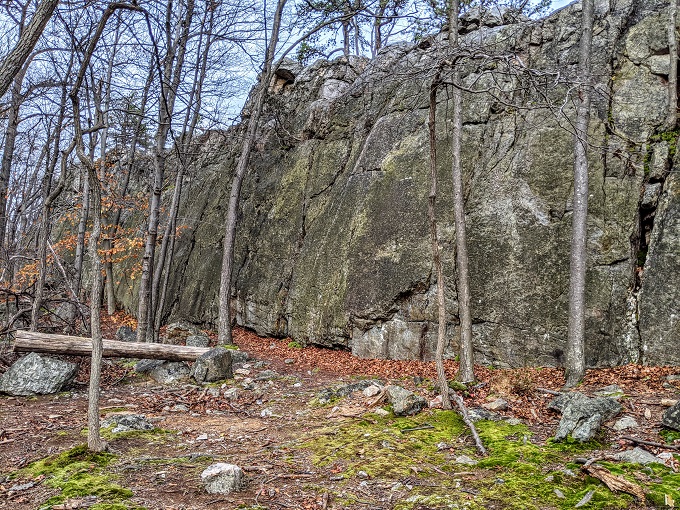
[442, 380]
[575, 357]
[11, 133]
[224, 318]
[12, 64]
[170, 83]
[672, 118]
[80, 237]
[77, 346]
[466, 355]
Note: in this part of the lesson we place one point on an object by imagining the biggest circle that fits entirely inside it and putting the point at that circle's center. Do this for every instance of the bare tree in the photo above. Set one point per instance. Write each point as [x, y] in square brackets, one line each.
[170, 76]
[224, 318]
[442, 380]
[13, 62]
[575, 357]
[466, 355]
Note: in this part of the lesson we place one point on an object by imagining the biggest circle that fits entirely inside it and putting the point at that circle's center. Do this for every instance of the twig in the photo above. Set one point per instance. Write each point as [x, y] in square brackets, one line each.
[466, 418]
[650, 443]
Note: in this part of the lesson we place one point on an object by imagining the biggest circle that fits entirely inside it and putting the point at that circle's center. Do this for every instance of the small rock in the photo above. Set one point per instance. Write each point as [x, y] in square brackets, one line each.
[668, 402]
[648, 414]
[497, 405]
[611, 391]
[559, 494]
[436, 402]
[289, 361]
[513, 421]
[381, 412]
[177, 332]
[242, 371]
[126, 334]
[626, 422]
[127, 423]
[671, 417]
[549, 479]
[362, 474]
[222, 478]
[164, 372]
[266, 413]
[637, 456]
[468, 461]
[443, 446]
[202, 437]
[477, 413]
[297, 385]
[231, 393]
[371, 391]
[403, 401]
[327, 394]
[214, 365]
[266, 375]
[179, 408]
[198, 341]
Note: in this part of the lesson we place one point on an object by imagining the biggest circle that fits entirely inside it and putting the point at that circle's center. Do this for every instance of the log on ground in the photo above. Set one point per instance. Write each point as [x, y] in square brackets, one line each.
[28, 341]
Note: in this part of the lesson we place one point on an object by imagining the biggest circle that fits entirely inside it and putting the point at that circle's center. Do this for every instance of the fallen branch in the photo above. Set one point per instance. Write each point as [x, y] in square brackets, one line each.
[551, 392]
[466, 418]
[650, 443]
[613, 482]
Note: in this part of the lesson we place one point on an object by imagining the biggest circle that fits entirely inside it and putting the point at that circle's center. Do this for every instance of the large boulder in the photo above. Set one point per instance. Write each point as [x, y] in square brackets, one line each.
[214, 365]
[164, 372]
[37, 375]
[582, 416]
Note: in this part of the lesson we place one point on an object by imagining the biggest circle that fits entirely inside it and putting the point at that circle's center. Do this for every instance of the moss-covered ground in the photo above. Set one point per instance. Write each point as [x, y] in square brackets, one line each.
[79, 473]
[518, 473]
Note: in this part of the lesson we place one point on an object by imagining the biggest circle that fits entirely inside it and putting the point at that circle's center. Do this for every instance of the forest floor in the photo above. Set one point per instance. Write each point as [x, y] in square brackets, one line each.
[302, 454]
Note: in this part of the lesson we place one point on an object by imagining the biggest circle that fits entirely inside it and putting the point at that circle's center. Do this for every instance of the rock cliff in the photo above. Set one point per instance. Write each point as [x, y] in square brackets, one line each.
[333, 244]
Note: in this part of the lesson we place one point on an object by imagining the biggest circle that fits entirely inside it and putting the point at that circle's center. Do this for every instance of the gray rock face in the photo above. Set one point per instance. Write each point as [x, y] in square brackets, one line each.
[126, 334]
[582, 416]
[671, 418]
[164, 372]
[222, 478]
[37, 375]
[127, 423]
[404, 402]
[214, 365]
[333, 243]
[625, 423]
[198, 341]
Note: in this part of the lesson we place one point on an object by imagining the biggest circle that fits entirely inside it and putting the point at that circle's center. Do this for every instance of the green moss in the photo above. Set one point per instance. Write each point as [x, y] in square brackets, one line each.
[77, 473]
[230, 347]
[387, 446]
[670, 435]
[295, 345]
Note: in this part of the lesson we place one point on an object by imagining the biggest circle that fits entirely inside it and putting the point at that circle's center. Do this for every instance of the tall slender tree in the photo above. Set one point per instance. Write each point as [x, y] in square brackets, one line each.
[466, 370]
[575, 356]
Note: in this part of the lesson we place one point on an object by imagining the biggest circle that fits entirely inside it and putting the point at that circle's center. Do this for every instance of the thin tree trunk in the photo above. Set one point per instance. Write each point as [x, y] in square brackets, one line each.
[11, 133]
[50, 196]
[672, 118]
[466, 355]
[575, 356]
[224, 318]
[12, 64]
[170, 83]
[80, 237]
[94, 440]
[442, 380]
